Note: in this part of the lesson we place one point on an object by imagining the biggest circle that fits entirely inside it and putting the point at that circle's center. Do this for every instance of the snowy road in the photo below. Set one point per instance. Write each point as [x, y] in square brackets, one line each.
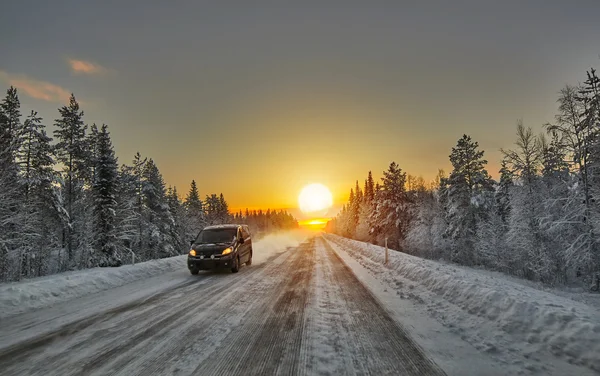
[301, 312]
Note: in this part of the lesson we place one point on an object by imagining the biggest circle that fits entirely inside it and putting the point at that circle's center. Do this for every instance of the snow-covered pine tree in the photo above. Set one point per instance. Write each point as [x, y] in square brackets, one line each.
[194, 212]
[104, 192]
[72, 152]
[391, 217]
[11, 211]
[348, 218]
[35, 154]
[427, 227]
[369, 188]
[365, 210]
[158, 217]
[37, 177]
[179, 230]
[11, 133]
[223, 210]
[130, 213]
[502, 194]
[358, 201]
[491, 244]
[466, 188]
[363, 229]
[93, 144]
[211, 207]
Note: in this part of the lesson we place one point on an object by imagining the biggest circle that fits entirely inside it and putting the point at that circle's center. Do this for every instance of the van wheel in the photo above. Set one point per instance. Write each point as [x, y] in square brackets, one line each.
[249, 262]
[236, 265]
[194, 271]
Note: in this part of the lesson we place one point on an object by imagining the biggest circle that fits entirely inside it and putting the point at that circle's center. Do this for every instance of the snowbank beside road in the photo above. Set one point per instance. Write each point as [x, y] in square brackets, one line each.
[49, 290]
[519, 324]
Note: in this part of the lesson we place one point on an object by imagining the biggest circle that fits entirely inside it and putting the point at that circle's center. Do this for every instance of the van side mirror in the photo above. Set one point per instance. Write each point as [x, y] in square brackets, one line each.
[241, 240]
[191, 242]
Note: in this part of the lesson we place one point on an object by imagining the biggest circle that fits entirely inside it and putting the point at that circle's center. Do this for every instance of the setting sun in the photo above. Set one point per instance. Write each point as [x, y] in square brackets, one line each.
[315, 198]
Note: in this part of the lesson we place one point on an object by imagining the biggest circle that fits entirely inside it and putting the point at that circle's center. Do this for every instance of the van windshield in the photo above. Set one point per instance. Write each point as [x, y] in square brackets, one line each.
[214, 236]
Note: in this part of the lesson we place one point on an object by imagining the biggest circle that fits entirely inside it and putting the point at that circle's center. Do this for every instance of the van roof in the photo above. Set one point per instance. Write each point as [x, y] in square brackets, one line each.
[221, 226]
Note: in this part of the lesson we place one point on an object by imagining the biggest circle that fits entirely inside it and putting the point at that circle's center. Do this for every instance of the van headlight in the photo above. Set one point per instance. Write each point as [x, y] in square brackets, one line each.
[227, 251]
[192, 253]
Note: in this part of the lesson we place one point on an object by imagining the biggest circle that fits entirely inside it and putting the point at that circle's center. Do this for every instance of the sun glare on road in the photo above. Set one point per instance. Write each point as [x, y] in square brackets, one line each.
[314, 198]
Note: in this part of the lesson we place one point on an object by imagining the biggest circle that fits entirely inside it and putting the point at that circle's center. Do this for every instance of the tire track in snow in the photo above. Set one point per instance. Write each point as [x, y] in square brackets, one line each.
[269, 341]
[392, 351]
[22, 350]
[208, 326]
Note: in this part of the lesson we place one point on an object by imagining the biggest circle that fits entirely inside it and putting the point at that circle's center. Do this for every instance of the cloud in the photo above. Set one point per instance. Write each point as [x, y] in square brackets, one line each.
[37, 89]
[86, 67]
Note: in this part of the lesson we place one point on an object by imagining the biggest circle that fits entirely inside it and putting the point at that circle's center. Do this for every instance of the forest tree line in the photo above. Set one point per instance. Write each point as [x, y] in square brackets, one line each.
[540, 220]
[65, 203]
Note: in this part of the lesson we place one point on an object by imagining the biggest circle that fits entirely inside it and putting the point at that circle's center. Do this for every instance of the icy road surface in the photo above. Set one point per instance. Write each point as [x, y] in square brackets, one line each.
[301, 312]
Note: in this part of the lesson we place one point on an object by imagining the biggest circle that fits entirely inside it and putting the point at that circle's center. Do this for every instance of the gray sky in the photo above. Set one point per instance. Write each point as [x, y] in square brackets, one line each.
[257, 101]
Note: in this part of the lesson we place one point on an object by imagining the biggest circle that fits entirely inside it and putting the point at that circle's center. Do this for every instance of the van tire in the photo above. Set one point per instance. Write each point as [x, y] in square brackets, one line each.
[249, 262]
[236, 265]
[194, 271]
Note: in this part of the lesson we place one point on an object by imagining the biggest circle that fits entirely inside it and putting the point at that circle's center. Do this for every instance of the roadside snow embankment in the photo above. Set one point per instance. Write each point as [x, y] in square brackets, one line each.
[493, 313]
[49, 290]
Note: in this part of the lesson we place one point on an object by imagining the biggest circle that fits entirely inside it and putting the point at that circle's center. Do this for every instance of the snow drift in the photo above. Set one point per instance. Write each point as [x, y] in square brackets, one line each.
[483, 306]
[49, 290]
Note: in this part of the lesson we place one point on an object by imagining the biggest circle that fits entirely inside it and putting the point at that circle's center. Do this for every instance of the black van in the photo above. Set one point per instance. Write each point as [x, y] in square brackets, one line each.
[222, 246]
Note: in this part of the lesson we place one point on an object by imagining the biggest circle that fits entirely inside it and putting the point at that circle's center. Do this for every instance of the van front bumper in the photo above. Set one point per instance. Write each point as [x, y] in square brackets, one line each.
[223, 262]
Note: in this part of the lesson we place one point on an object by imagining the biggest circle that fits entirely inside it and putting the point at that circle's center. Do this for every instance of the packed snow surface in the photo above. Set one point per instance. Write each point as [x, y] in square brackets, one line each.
[518, 324]
[301, 312]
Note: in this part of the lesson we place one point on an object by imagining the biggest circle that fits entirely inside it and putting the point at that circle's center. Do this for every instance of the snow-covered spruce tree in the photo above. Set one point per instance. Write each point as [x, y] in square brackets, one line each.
[130, 219]
[492, 231]
[502, 192]
[11, 212]
[11, 133]
[211, 207]
[72, 152]
[425, 235]
[348, 220]
[217, 211]
[35, 154]
[369, 188]
[468, 189]
[104, 191]
[363, 227]
[340, 223]
[159, 221]
[391, 217]
[354, 204]
[37, 175]
[194, 212]
[179, 229]
[93, 143]
[223, 210]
